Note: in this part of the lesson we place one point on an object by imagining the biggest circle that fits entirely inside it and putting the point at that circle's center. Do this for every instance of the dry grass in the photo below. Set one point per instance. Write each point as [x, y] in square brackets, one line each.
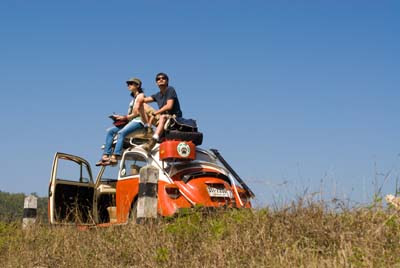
[300, 235]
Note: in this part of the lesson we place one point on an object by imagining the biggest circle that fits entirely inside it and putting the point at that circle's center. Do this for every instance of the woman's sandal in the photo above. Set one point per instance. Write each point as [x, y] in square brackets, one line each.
[111, 161]
[103, 160]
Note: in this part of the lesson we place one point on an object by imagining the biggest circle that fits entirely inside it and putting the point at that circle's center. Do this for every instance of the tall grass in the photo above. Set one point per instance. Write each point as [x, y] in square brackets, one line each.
[303, 234]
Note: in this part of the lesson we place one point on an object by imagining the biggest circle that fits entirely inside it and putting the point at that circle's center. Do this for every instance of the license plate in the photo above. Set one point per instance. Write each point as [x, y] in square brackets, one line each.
[219, 192]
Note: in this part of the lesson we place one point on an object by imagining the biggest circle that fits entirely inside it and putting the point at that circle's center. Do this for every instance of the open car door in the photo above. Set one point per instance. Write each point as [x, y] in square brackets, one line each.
[71, 190]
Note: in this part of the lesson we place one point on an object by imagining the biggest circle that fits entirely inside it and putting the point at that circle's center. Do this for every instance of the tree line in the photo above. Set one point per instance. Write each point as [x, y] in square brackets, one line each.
[12, 206]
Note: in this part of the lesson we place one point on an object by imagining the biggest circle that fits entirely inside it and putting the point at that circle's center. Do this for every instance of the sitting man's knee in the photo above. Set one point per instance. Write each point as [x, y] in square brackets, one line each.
[161, 120]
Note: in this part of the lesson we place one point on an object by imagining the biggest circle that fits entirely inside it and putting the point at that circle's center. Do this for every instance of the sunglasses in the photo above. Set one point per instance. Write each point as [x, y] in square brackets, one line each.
[161, 77]
[131, 83]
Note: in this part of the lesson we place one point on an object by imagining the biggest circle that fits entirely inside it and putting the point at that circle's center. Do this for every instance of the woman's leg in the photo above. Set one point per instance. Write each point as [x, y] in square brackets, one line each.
[109, 139]
[129, 128]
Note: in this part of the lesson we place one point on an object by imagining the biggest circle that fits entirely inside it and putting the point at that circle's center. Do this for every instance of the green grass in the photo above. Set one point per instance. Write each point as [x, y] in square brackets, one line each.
[299, 235]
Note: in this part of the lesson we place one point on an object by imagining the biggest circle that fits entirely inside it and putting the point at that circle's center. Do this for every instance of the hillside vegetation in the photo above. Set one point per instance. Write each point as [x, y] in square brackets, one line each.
[299, 235]
[12, 206]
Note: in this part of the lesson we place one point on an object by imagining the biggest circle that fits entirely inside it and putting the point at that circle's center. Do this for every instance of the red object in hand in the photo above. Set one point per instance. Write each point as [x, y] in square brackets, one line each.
[121, 122]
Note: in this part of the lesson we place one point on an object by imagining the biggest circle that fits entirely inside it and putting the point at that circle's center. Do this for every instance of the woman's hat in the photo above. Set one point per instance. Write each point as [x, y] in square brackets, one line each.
[135, 80]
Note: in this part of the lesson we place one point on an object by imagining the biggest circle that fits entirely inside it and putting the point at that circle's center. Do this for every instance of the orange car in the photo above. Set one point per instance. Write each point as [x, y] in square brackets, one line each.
[188, 176]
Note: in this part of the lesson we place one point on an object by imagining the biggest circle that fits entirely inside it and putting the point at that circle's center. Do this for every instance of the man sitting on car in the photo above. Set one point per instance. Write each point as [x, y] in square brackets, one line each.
[168, 105]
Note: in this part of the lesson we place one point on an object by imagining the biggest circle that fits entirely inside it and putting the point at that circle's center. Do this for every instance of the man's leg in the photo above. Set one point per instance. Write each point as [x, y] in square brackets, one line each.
[160, 127]
[150, 123]
[157, 134]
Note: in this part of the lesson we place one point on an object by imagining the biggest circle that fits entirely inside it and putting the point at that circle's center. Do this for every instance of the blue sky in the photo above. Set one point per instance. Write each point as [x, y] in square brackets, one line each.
[297, 95]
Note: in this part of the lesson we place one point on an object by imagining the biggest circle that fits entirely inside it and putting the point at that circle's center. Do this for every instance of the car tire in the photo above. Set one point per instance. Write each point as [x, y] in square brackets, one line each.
[195, 137]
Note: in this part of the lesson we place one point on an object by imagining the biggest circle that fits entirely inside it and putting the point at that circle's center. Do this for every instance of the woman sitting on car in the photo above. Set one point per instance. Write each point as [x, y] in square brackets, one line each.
[136, 119]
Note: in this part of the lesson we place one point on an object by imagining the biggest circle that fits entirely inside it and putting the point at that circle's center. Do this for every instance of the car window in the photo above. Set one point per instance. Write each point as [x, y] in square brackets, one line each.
[110, 173]
[204, 157]
[132, 164]
[70, 170]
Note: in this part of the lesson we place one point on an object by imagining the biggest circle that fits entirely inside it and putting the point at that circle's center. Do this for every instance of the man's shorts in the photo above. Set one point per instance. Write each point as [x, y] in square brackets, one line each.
[149, 111]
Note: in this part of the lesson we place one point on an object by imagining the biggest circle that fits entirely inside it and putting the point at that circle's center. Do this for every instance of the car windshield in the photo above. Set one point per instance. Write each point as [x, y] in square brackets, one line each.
[202, 157]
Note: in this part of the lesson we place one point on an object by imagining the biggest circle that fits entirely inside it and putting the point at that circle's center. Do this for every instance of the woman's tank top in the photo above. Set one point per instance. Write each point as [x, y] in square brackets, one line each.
[130, 110]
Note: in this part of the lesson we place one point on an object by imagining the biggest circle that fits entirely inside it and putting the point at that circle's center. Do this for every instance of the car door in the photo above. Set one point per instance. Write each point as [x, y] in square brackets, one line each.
[71, 190]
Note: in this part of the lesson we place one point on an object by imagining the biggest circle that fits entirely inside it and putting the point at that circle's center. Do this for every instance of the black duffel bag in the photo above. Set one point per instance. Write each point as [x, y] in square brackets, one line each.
[182, 124]
[183, 129]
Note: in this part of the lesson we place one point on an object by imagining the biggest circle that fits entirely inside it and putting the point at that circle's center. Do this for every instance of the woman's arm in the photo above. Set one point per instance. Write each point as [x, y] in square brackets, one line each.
[137, 107]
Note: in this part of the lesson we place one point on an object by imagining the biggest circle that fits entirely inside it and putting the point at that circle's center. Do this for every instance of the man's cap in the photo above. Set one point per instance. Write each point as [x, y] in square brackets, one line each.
[135, 80]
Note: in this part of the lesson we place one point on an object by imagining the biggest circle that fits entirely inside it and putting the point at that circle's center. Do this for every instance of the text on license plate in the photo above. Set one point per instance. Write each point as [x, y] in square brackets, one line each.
[219, 192]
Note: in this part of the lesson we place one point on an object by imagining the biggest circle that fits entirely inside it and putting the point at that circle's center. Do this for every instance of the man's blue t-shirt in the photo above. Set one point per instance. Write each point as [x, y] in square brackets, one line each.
[170, 94]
